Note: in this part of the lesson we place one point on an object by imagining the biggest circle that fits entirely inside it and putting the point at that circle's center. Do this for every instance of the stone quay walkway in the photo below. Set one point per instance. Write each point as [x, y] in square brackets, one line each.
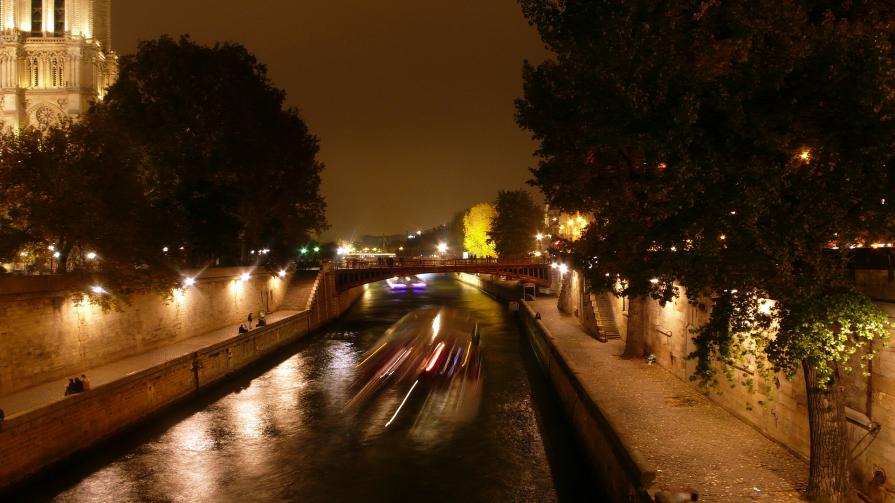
[54, 391]
[688, 440]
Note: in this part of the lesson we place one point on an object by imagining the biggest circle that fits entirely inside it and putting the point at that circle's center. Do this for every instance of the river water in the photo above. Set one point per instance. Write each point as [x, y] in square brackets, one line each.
[279, 432]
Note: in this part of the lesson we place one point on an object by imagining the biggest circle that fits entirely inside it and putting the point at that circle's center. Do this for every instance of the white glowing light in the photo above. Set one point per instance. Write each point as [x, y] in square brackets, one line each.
[563, 268]
[188, 282]
[281, 274]
[244, 277]
[91, 256]
[51, 248]
[554, 265]
[402, 403]
[539, 236]
[97, 289]
[442, 247]
[654, 280]
[56, 254]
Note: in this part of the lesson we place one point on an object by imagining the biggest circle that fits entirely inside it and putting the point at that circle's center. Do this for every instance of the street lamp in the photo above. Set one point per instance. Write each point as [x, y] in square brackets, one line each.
[442, 248]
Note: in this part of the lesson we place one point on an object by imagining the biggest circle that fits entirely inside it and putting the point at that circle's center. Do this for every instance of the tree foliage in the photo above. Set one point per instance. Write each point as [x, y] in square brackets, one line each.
[239, 168]
[515, 224]
[477, 224]
[722, 146]
[75, 189]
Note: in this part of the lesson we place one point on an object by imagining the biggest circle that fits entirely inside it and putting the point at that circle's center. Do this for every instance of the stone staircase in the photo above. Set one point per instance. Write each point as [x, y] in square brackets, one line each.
[298, 293]
[605, 320]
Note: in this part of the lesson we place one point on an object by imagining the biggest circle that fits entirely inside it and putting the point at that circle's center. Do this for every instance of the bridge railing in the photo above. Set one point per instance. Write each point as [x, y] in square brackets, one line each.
[401, 262]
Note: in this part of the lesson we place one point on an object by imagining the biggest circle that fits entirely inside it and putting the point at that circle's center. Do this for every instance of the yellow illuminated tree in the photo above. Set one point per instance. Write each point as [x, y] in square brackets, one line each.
[476, 227]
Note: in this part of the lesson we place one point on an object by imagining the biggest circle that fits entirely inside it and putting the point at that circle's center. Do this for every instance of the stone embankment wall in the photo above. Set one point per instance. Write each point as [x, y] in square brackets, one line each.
[37, 438]
[781, 413]
[48, 331]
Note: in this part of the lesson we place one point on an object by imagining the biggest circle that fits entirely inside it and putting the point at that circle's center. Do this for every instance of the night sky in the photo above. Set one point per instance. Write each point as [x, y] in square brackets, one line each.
[412, 99]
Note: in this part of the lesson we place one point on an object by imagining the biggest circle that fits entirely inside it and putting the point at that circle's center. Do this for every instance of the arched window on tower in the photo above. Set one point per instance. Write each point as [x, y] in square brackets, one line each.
[59, 18]
[56, 70]
[34, 72]
[37, 18]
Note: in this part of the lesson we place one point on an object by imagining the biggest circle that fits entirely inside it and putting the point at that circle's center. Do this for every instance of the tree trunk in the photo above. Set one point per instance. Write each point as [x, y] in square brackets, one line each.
[62, 261]
[828, 478]
[638, 324]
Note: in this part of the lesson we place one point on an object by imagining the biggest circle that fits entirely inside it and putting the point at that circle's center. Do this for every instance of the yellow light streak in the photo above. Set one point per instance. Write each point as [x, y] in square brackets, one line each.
[371, 355]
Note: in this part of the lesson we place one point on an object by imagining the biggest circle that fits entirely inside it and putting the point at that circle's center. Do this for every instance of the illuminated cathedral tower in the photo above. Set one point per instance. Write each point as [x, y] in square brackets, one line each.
[55, 59]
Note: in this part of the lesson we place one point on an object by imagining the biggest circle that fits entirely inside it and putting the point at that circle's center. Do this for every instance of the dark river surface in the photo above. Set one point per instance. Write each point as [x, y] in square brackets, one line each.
[278, 431]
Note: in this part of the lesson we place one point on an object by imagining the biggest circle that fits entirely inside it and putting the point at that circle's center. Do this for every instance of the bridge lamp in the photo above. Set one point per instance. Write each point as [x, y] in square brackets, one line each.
[442, 247]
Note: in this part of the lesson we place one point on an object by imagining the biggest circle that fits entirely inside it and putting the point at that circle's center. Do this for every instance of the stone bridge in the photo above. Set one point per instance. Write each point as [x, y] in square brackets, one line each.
[350, 274]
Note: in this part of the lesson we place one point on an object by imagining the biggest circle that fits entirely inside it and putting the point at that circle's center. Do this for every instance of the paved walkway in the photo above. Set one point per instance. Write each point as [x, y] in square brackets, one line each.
[54, 391]
[689, 440]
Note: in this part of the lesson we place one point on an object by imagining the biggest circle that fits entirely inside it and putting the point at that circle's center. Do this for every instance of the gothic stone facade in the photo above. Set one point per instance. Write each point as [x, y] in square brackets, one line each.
[55, 59]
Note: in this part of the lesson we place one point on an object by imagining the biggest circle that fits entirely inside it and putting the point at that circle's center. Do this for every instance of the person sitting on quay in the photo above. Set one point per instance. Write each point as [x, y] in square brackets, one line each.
[260, 323]
[85, 383]
[75, 386]
[243, 329]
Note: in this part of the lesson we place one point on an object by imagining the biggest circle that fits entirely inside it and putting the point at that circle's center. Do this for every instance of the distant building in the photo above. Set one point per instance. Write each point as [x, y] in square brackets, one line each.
[55, 59]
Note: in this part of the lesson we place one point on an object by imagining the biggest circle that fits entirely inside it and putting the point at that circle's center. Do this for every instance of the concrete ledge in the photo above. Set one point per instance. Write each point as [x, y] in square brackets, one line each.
[620, 467]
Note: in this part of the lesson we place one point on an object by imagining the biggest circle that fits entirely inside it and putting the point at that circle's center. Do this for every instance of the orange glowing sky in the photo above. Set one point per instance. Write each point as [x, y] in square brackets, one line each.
[412, 99]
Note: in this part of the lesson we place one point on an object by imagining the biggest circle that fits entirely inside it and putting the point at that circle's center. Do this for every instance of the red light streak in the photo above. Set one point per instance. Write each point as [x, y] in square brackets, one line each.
[435, 355]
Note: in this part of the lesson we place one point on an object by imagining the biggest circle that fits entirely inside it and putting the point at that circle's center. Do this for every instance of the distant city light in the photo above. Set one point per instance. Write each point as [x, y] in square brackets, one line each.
[442, 247]
[563, 269]
[56, 254]
[554, 265]
[419, 232]
[23, 254]
[165, 249]
[51, 248]
[539, 236]
[91, 256]
[654, 280]
[303, 251]
[316, 249]
[805, 155]
[411, 236]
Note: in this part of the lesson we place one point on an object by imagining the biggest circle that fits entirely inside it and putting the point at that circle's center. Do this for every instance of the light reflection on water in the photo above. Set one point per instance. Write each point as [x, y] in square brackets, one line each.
[283, 435]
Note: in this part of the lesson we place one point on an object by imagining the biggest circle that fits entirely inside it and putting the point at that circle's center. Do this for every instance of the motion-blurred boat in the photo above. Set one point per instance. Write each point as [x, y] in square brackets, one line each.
[432, 358]
[405, 282]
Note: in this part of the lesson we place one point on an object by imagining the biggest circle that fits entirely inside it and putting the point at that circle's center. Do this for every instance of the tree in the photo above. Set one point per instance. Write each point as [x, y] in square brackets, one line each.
[477, 224]
[241, 170]
[515, 224]
[723, 147]
[73, 190]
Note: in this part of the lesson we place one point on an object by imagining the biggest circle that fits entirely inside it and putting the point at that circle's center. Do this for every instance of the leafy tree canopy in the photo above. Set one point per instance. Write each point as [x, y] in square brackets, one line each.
[241, 170]
[515, 224]
[477, 224]
[723, 146]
